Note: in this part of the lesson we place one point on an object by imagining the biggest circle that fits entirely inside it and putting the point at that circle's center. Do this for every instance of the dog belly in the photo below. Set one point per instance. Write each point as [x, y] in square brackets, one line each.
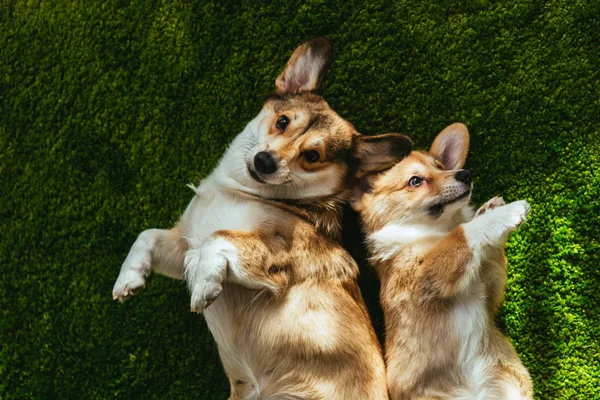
[222, 322]
[250, 327]
[284, 346]
[232, 319]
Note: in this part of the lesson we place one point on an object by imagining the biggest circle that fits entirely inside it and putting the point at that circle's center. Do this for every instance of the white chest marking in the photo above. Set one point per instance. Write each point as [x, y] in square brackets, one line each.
[393, 237]
[220, 211]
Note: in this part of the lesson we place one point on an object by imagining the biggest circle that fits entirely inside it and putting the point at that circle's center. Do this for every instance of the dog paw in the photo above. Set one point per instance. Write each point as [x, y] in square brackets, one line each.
[495, 225]
[204, 294]
[515, 214]
[206, 269]
[128, 284]
[490, 205]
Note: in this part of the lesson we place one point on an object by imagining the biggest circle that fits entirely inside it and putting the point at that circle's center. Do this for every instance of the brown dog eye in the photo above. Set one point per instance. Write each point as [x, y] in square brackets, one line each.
[415, 181]
[282, 123]
[311, 156]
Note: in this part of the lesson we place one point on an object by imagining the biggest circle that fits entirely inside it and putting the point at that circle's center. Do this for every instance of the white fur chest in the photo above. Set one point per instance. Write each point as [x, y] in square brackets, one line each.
[470, 321]
[216, 208]
[220, 210]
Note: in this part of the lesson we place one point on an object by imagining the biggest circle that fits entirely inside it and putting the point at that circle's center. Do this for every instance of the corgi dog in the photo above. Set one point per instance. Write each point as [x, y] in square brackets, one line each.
[259, 246]
[442, 270]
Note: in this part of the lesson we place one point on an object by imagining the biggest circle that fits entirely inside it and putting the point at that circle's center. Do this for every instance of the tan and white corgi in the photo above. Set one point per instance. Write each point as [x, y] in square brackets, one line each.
[259, 247]
[442, 275]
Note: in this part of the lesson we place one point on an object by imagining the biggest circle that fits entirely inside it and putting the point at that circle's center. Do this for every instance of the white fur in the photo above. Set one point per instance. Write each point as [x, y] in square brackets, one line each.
[219, 204]
[137, 265]
[488, 229]
[207, 266]
[493, 227]
[471, 320]
[393, 237]
[206, 269]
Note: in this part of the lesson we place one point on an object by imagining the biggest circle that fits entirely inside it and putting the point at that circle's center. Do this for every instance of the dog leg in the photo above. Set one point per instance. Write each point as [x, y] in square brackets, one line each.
[241, 257]
[158, 249]
[451, 266]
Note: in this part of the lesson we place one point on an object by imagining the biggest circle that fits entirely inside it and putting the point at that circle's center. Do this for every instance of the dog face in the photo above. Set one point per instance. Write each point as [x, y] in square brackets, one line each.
[300, 140]
[425, 187]
[297, 146]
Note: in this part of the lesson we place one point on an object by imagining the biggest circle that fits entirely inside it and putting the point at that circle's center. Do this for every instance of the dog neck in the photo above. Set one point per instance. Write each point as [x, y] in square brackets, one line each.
[324, 213]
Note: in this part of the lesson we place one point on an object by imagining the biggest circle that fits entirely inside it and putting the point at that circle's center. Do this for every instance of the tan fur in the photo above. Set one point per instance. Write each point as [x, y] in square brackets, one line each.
[261, 251]
[311, 336]
[440, 291]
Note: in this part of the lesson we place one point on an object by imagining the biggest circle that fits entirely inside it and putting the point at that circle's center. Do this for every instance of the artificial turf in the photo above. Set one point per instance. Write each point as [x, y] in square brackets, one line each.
[108, 109]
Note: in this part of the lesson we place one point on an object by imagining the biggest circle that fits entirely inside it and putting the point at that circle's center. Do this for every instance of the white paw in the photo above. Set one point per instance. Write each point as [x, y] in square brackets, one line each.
[204, 293]
[494, 226]
[129, 282]
[514, 214]
[206, 269]
[490, 205]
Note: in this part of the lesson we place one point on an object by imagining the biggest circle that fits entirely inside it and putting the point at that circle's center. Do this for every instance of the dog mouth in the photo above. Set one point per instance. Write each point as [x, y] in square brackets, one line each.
[269, 180]
[459, 197]
[437, 209]
[255, 176]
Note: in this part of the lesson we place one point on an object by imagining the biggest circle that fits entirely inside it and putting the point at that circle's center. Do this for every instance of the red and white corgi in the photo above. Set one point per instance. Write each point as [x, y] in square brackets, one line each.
[259, 247]
[442, 275]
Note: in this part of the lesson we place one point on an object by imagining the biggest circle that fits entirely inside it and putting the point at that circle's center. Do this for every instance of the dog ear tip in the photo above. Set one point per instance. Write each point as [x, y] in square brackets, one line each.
[458, 128]
[403, 144]
[321, 40]
[321, 45]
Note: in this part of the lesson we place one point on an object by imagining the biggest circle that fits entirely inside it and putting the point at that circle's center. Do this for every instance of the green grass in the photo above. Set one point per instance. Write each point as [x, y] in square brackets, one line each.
[107, 110]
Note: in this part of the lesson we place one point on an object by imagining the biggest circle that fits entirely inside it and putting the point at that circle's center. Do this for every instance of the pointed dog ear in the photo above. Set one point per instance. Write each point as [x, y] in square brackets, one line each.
[306, 68]
[451, 146]
[377, 153]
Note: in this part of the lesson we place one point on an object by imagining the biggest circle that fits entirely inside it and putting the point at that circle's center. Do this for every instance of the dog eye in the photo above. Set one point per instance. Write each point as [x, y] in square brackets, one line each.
[312, 156]
[415, 181]
[282, 123]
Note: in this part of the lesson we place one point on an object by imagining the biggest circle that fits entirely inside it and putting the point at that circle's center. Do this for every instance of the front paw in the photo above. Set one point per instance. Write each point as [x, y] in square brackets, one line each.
[514, 214]
[491, 204]
[494, 226]
[204, 294]
[129, 282]
[206, 269]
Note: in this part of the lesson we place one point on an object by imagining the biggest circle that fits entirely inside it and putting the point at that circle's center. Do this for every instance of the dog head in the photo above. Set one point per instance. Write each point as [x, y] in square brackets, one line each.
[297, 146]
[424, 188]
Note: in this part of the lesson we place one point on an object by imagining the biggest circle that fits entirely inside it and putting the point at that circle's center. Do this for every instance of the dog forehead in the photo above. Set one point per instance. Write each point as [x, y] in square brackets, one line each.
[308, 102]
[415, 161]
[425, 158]
[315, 120]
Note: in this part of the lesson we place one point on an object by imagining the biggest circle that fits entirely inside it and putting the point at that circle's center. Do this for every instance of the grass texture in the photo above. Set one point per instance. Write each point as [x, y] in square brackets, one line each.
[108, 108]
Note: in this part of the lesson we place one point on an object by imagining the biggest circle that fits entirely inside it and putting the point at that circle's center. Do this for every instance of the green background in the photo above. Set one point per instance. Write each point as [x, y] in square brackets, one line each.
[107, 110]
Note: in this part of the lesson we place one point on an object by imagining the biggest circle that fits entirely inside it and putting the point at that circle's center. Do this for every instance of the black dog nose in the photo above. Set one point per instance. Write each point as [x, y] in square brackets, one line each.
[464, 175]
[264, 163]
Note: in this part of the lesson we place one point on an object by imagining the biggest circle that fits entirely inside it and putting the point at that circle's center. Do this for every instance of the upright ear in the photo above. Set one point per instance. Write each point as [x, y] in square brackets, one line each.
[451, 146]
[306, 68]
[376, 153]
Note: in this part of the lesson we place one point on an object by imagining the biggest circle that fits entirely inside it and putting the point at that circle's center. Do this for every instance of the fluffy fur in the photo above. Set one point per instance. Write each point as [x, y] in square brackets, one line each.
[261, 254]
[442, 276]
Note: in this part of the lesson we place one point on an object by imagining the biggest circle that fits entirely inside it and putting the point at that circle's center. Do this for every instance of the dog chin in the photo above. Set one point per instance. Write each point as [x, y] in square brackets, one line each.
[458, 202]
[267, 180]
[255, 176]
